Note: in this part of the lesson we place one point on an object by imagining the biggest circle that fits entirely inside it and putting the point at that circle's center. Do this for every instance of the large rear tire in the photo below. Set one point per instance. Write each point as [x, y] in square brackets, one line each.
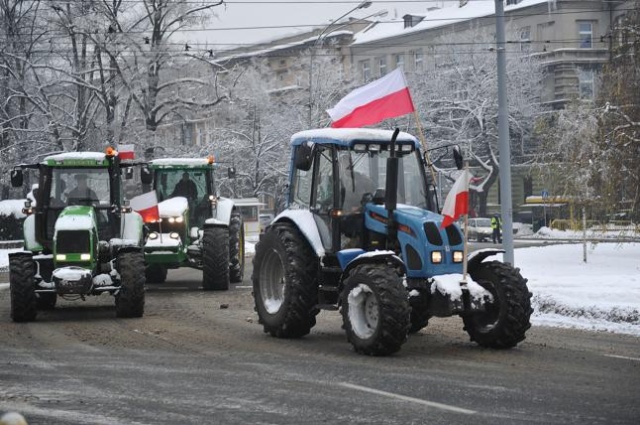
[130, 297]
[155, 273]
[215, 259]
[21, 282]
[236, 247]
[505, 321]
[285, 286]
[375, 309]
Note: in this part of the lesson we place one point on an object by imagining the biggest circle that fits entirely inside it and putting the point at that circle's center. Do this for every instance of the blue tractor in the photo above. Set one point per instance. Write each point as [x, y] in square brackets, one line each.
[361, 234]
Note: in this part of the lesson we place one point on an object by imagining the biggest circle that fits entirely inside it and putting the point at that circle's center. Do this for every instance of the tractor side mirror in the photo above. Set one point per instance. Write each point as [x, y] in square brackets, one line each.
[16, 178]
[145, 175]
[304, 157]
[128, 173]
[231, 172]
[457, 157]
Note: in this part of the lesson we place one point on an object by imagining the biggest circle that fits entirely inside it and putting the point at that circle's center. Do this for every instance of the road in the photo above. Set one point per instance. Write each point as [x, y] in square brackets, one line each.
[202, 358]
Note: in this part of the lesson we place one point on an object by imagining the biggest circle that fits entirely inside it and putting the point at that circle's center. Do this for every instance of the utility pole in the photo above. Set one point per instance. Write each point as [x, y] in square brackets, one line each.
[506, 208]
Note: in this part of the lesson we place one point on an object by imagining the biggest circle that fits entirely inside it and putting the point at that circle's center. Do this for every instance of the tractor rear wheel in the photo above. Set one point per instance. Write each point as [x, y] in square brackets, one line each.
[506, 319]
[46, 300]
[285, 286]
[236, 247]
[155, 273]
[130, 297]
[215, 259]
[375, 309]
[21, 281]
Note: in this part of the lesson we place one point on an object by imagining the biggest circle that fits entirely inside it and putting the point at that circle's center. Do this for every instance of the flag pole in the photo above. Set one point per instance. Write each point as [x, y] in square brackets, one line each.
[465, 244]
[424, 144]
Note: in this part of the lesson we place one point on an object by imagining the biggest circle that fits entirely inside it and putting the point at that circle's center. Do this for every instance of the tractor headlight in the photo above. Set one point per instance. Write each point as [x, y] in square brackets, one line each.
[179, 219]
[172, 220]
[436, 257]
[174, 235]
[85, 257]
[458, 256]
[61, 257]
[153, 235]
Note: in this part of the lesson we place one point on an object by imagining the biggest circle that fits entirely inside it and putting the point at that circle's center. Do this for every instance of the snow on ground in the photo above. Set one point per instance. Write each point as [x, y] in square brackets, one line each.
[610, 231]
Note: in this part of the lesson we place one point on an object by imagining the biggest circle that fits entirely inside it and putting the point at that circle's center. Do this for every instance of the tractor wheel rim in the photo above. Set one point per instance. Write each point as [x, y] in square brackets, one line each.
[272, 287]
[364, 311]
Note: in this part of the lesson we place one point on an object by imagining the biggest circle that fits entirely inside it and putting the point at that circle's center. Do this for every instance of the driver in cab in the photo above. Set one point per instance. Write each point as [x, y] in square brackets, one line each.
[82, 193]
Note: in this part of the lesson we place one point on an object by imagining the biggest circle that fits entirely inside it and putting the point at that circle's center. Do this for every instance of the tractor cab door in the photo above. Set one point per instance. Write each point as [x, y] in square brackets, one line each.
[323, 195]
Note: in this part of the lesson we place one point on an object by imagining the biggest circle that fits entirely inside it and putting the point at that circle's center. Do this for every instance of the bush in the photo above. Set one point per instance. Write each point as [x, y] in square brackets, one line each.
[10, 228]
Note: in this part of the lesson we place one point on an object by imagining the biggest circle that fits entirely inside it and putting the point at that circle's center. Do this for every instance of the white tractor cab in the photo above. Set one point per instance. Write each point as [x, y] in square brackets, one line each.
[362, 234]
[197, 228]
[80, 238]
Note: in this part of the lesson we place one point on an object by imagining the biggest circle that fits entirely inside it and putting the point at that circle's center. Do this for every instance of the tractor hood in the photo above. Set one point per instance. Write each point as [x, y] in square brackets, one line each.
[76, 218]
[173, 207]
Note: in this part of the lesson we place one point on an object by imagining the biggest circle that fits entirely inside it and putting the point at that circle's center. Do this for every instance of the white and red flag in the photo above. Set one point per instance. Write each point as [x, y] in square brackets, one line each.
[387, 97]
[457, 202]
[147, 206]
[126, 151]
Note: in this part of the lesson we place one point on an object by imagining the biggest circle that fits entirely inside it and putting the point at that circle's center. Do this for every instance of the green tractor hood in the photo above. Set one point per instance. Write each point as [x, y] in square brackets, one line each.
[75, 239]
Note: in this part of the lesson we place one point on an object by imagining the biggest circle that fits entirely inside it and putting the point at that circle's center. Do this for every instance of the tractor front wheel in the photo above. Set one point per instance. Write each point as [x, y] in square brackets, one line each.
[236, 247]
[506, 319]
[285, 287]
[375, 309]
[215, 259]
[130, 297]
[21, 281]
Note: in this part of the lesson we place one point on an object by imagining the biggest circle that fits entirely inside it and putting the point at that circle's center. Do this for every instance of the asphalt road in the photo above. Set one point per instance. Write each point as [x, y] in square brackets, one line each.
[201, 358]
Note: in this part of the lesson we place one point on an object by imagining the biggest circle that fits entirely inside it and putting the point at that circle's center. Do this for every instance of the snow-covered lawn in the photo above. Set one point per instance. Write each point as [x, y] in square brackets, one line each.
[602, 294]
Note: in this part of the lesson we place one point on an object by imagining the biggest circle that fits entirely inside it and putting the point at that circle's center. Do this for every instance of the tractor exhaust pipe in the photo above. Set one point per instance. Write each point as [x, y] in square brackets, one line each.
[391, 192]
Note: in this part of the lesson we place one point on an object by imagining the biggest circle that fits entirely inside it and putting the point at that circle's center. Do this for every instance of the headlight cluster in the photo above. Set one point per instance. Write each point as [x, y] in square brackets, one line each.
[178, 219]
[153, 235]
[437, 257]
[63, 257]
[156, 235]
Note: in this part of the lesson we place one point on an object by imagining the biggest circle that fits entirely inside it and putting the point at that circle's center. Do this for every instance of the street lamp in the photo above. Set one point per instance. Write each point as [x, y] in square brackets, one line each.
[362, 5]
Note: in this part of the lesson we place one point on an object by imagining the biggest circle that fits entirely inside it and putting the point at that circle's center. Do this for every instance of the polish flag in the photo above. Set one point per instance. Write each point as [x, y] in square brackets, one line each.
[147, 206]
[387, 97]
[457, 202]
[126, 151]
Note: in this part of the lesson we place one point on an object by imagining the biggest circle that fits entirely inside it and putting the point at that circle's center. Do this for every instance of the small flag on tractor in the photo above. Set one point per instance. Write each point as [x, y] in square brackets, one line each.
[126, 152]
[387, 97]
[457, 202]
[147, 206]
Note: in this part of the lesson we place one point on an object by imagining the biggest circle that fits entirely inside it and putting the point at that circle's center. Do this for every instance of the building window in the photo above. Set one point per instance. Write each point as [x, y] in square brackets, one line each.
[399, 58]
[365, 69]
[418, 60]
[382, 66]
[586, 81]
[510, 2]
[525, 39]
[585, 32]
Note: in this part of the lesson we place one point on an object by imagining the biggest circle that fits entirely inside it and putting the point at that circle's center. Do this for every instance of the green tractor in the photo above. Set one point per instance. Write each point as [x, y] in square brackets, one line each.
[197, 228]
[80, 239]
[362, 234]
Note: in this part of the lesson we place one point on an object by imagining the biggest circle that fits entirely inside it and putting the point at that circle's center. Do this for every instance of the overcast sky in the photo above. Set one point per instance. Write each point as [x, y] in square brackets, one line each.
[287, 13]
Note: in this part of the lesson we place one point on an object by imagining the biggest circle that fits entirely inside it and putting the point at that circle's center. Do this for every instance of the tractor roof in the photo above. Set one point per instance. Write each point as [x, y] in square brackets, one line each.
[347, 137]
[81, 159]
[180, 163]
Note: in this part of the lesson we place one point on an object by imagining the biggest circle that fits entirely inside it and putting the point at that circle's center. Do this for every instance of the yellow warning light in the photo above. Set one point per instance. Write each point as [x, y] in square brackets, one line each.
[110, 151]
[211, 159]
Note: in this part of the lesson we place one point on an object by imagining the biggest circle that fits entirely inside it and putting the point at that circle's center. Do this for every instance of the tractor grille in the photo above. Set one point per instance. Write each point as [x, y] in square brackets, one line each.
[433, 234]
[453, 234]
[73, 242]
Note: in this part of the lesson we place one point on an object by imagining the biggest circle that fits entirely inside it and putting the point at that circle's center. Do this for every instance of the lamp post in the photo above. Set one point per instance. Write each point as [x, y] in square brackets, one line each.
[362, 5]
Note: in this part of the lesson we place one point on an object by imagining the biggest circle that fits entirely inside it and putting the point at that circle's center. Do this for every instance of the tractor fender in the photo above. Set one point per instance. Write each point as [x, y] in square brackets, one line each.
[353, 258]
[476, 257]
[224, 207]
[303, 220]
[131, 228]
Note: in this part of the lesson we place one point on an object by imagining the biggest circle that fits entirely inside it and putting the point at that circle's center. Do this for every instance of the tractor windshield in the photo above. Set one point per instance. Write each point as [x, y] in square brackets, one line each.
[192, 184]
[363, 170]
[80, 186]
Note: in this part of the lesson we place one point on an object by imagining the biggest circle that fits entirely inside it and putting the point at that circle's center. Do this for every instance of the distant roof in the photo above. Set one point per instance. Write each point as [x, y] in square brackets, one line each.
[346, 136]
[436, 19]
[70, 157]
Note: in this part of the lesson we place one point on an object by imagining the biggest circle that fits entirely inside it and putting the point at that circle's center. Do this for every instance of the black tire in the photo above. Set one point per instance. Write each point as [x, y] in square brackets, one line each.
[236, 247]
[130, 297]
[215, 259]
[506, 320]
[46, 300]
[419, 313]
[21, 282]
[285, 285]
[155, 273]
[381, 325]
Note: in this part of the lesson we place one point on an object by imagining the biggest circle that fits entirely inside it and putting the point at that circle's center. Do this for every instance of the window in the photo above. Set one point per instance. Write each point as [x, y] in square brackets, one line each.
[365, 70]
[418, 60]
[585, 33]
[525, 39]
[586, 82]
[399, 59]
[382, 66]
[324, 183]
[546, 31]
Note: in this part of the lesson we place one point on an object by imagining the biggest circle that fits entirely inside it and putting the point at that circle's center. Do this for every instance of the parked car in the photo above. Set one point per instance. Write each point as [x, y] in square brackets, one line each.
[479, 229]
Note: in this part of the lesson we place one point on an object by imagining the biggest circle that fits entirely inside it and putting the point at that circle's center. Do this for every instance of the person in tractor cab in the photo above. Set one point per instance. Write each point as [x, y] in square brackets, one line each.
[496, 226]
[186, 188]
[82, 193]
[353, 186]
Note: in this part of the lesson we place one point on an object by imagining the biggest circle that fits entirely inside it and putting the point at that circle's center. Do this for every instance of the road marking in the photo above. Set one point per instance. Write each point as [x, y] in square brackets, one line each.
[635, 359]
[4, 285]
[244, 287]
[409, 399]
